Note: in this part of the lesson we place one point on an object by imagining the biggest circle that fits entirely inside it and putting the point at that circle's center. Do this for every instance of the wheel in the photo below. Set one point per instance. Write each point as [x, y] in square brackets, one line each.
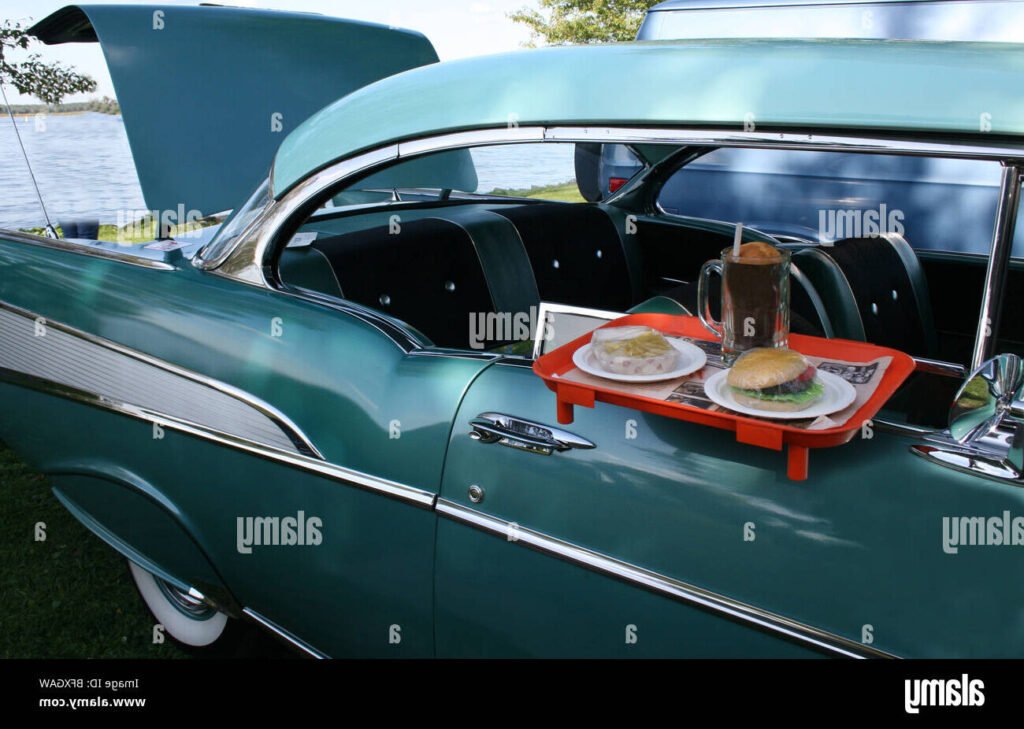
[186, 619]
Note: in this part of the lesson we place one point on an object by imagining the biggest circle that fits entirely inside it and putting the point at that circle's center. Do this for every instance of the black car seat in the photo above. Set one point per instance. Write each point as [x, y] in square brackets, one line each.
[435, 275]
[874, 290]
[578, 254]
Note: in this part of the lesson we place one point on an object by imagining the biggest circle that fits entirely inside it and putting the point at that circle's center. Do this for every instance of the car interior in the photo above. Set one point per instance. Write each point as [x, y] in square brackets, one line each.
[457, 256]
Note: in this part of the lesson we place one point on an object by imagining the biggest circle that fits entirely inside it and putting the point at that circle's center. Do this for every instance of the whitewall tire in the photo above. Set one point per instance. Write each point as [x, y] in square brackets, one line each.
[184, 618]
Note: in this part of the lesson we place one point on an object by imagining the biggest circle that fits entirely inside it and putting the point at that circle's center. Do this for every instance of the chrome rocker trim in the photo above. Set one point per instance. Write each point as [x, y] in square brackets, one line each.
[660, 584]
[283, 634]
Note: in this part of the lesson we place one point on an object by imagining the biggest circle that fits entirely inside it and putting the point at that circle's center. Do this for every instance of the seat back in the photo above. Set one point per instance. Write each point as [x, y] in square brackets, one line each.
[428, 275]
[874, 290]
[577, 254]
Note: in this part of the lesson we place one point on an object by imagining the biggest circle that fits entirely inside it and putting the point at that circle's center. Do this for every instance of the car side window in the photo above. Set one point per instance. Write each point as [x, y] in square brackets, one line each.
[450, 244]
[943, 205]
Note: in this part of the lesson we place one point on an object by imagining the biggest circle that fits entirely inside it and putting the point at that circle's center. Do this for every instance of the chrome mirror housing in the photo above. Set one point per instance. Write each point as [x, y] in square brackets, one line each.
[986, 423]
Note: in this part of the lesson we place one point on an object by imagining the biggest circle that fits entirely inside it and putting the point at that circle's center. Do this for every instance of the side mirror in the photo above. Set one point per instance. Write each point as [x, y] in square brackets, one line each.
[986, 423]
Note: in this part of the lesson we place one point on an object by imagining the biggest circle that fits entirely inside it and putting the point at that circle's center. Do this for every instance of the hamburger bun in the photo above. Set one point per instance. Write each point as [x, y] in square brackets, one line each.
[766, 367]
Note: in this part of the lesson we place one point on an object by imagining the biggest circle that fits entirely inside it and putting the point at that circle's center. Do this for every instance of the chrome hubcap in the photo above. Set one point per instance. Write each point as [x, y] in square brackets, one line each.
[191, 606]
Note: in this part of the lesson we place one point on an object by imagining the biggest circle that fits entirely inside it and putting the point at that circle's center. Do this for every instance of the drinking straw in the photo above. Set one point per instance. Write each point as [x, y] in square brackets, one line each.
[736, 240]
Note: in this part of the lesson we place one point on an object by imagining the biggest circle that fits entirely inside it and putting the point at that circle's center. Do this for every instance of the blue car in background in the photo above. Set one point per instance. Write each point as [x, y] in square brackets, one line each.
[823, 197]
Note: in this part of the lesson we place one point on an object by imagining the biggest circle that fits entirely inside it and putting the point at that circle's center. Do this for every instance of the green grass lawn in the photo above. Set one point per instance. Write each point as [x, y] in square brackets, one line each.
[563, 192]
[69, 596]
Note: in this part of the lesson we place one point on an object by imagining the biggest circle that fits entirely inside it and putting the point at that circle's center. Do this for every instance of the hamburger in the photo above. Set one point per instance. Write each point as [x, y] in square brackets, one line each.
[779, 380]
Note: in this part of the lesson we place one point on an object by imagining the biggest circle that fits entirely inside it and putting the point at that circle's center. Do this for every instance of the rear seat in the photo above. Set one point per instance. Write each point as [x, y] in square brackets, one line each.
[433, 274]
[462, 260]
[578, 254]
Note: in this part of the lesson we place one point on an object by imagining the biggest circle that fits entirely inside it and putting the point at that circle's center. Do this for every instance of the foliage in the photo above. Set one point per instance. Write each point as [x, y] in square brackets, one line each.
[563, 22]
[49, 82]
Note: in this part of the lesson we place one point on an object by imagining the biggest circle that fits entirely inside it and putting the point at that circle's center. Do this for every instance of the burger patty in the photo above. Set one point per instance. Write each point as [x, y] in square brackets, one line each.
[801, 384]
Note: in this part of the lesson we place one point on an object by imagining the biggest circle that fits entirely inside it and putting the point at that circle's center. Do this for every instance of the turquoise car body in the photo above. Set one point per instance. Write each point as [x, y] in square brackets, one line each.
[250, 400]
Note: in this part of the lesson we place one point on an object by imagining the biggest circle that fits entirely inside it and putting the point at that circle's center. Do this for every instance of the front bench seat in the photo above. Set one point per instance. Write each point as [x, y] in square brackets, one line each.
[874, 290]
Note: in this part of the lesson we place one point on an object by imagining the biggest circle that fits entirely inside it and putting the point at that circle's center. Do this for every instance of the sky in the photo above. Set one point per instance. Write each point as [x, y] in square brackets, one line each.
[457, 28]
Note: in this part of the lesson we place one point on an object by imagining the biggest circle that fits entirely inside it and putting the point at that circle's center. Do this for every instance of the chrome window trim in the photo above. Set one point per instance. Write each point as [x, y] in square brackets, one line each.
[509, 134]
[998, 265]
[782, 140]
[244, 261]
[61, 244]
[659, 584]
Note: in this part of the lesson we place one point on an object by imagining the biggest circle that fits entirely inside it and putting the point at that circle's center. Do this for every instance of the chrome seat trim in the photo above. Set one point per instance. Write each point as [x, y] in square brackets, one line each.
[660, 584]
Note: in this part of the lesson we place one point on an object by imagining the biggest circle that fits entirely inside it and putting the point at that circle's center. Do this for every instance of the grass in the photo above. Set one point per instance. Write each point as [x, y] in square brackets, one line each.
[69, 596]
[564, 192]
[143, 231]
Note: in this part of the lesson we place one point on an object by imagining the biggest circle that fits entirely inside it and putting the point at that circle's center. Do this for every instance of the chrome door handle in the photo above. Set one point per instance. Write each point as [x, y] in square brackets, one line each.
[525, 435]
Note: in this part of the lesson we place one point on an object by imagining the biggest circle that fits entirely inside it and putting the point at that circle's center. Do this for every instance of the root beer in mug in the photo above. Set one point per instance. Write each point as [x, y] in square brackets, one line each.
[755, 298]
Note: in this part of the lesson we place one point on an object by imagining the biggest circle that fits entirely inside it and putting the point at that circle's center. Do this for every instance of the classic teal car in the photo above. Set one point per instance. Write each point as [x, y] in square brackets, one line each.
[325, 419]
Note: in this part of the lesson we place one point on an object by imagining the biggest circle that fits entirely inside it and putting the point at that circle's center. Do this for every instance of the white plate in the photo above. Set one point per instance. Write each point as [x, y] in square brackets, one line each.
[838, 395]
[691, 358]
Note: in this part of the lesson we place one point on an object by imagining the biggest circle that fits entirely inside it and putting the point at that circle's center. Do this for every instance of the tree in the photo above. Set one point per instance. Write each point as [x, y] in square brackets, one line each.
[562, 22]
[48, 82]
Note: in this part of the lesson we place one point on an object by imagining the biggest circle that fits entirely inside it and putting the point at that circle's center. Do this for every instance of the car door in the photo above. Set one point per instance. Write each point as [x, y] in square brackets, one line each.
[671, 539]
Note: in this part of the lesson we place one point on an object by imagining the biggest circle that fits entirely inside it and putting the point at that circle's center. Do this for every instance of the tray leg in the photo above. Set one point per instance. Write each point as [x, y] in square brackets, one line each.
[798, 462]
[565, 414]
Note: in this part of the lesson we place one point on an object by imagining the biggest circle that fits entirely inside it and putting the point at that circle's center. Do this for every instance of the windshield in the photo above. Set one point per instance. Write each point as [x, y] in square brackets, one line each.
[237, 223]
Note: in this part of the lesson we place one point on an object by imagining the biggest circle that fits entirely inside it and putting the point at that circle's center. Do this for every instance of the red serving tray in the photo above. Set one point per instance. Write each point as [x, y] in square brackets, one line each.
[753, 431]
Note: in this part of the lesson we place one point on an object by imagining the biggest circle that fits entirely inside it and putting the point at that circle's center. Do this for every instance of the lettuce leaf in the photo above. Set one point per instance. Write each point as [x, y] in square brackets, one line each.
[811, 393]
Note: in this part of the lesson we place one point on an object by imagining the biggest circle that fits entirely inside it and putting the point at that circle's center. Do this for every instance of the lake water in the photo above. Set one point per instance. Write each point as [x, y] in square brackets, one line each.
[83, 165]
[84, 168]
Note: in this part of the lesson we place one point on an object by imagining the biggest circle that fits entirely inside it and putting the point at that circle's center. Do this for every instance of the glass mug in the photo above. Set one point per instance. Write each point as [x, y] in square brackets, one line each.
[755, 302]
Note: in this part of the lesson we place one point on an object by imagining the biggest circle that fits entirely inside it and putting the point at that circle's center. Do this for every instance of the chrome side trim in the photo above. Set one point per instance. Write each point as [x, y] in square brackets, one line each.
[27, 359]
[349, 477]
[998, 266]
[283, 634]
[661, 584]
[60, 244]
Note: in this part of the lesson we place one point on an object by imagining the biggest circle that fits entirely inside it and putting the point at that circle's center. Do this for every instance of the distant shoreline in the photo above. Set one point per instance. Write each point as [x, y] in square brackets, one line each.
[106, 105]
[31, 114]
